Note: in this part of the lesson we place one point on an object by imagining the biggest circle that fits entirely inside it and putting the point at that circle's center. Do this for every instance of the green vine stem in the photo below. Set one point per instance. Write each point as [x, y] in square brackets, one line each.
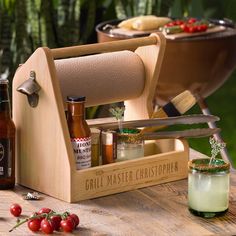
[38, 216]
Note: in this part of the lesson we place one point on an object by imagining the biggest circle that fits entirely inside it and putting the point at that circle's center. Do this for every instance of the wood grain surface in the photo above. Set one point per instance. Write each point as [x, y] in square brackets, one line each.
[157, 210]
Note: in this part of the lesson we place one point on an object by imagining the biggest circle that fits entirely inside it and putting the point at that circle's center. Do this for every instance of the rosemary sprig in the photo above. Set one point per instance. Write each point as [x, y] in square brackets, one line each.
[216, 147]
[118, 113]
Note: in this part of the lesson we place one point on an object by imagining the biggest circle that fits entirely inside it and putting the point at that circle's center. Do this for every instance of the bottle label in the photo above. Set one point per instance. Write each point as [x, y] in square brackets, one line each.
[82, 151]
[5, 158]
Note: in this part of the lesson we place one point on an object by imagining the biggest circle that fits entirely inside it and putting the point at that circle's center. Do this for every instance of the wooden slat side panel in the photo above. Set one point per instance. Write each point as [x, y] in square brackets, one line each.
[42, 152]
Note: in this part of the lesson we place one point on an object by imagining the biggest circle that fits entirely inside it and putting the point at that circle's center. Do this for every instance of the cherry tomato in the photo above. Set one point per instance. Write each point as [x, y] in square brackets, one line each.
[37, 214]
[203, 27]
[47, 226]
[200, 28]
[72, 219]
[192, 29]
[67, 225]
[15, 209]
[170, 24]
[56, 220]
[192, 20]
[179, 22]
[44, 210]
[183, 27]
[34, 225]
[75, 218]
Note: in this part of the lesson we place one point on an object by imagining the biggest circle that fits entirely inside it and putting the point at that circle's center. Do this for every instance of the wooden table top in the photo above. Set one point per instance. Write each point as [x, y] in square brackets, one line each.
[156, 210]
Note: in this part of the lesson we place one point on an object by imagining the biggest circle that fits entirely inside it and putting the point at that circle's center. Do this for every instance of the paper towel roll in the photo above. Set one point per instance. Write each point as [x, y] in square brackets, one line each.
[102, 78]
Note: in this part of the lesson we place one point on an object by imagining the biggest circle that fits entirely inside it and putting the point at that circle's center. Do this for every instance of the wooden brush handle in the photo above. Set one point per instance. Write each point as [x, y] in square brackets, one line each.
[105, 47]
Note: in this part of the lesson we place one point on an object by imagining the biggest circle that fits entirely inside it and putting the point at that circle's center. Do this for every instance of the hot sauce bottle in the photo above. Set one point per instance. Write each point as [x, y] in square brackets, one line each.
[7, 139]
[79, 131]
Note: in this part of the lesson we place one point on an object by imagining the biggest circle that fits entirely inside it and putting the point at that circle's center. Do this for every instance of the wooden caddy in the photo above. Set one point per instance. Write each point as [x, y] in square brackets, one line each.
[45, 159]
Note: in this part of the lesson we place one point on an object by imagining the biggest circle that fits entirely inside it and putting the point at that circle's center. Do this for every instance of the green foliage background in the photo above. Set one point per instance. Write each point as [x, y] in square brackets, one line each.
[28, 24]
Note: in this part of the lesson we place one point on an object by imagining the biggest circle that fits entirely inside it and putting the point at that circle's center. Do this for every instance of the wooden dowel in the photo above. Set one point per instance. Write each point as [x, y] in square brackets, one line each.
[103, 47]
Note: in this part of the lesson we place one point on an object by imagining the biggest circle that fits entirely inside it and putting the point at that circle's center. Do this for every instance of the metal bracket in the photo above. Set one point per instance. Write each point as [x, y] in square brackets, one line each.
[30, 88]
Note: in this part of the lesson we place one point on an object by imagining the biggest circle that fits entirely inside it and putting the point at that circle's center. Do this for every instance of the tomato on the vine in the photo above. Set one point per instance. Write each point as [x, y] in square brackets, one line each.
[15, 209]
[44, 210]
[67, 225]
[192, 20]
[75, 218]
[36, 214]
[47, 226]
[34, 224]
[184, 27]
[56, 220]
[46, 220]
[191, 25]
[169, 24]
[192, 29]
[203, 27]
[179, 22]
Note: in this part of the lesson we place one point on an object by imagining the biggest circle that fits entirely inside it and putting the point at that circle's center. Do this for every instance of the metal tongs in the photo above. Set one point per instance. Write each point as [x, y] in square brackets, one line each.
[184, 119]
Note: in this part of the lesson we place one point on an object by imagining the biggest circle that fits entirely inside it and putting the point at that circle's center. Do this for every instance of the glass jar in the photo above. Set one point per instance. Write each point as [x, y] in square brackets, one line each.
[208, 187]
[129, 145]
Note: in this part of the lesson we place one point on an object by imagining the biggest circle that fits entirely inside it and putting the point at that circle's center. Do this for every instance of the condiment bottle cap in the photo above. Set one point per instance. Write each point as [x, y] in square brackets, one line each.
[76, 98]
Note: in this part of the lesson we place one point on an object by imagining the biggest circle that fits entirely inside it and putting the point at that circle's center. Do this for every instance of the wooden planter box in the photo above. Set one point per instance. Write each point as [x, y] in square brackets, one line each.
[45, 159]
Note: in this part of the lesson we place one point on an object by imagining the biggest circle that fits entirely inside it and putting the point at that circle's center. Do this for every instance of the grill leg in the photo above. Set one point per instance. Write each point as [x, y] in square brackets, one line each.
[205, 110]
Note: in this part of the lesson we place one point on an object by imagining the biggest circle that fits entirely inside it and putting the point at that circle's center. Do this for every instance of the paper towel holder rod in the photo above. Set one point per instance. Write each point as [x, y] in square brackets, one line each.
[30, 88]
[88, 49]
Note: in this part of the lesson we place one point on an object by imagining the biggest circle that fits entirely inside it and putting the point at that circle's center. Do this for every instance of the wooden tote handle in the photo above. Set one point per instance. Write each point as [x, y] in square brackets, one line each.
[104, 47]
